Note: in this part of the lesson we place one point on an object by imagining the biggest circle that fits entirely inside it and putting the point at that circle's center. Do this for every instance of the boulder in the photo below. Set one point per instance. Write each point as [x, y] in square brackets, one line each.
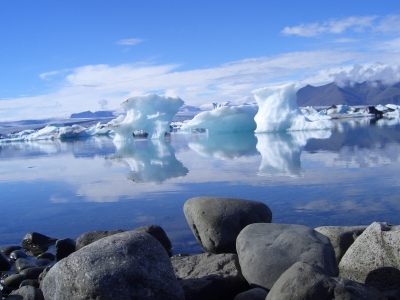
[209, 276]
[22, 264]
[26, 293]
[342, 237]
[377, 247]
[154, 230]
[252, 294]
[127, 265]
[266, 251]
[6, 250]
[304, 281]
[92, 236]
[32, 273]
[35, 243]
[64, 248]
[14, 280]
[217, 221]
[160, 235]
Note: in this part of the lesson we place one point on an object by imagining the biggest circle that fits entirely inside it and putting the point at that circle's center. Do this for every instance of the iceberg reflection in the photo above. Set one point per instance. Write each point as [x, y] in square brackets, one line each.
[151, 161]
[280, 151]
[226, 146]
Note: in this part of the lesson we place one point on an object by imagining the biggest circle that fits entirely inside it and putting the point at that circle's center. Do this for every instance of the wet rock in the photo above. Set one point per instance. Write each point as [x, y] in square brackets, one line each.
[31, 282]
[160, 235]
[209, 276]
[252, 294]
[303, 281]
[64, 248]
[266, 251]
[5, 265]
[35, 243]
[43, 262]
[127, 265]
[23, 263]
[377, 247]
[342, 237]
[17, 254]
[32, 273]
[217, 221]
[92, 236]
[14, 280]
[27, 293]
[6, 250]
[46, 255]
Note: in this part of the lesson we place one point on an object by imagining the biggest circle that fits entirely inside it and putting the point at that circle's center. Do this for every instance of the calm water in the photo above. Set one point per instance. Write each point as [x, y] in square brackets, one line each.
[347, 176]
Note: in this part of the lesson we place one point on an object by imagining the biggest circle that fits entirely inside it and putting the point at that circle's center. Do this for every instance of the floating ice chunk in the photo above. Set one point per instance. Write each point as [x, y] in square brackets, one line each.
[337, 109]
[313, 115]
[224, 119]
[278, 111]
[151, 113]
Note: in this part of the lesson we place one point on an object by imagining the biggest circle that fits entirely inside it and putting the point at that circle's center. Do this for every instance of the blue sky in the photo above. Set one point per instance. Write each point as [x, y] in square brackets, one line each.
[61, 57]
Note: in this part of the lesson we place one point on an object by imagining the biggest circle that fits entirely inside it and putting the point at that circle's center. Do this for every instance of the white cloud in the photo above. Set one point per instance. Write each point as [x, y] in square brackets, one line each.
[129, 42]
[390, 23]
[333, 26]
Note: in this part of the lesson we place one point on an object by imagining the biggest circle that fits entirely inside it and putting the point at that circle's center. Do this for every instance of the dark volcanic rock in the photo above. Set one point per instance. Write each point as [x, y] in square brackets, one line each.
[14, 280]
[23, 263]
[216, 221]
[31, 282]
[32, 273]
[5, 264]
[64, 248]
[386, 280]
[46, 255]
[209, 276]
[266, 251]
[6, 250]
[127, 265]
[18, 254]
[35, 243]
[92, 236]
[302, 281]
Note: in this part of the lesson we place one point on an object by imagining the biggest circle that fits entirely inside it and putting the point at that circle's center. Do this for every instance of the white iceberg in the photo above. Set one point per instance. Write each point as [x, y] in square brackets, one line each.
[151, 113]
[278, 111]
[224, 119]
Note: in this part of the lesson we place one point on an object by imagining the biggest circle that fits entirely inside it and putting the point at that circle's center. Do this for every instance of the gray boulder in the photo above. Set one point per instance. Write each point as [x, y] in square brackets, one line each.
[302, 281]
[154, 230]
[342, 237]
[93, 236]
[266, 251]
[216, 221]
[209, 276]
[127, 265]
[377, 247]
[26, 293]
[252, 294]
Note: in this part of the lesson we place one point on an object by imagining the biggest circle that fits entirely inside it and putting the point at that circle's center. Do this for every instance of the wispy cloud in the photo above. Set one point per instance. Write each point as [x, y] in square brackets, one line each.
[332, 26]
[129, 42]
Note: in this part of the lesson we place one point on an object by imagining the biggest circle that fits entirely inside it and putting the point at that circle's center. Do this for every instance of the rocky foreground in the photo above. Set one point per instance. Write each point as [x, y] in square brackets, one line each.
[246, 257]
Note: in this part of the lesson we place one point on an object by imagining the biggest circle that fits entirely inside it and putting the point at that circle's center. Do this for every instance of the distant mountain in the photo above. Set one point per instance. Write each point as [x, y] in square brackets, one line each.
[365, 93]
[96, 114]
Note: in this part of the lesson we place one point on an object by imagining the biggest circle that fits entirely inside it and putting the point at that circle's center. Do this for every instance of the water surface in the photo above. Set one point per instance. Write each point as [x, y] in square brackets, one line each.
[63, 188]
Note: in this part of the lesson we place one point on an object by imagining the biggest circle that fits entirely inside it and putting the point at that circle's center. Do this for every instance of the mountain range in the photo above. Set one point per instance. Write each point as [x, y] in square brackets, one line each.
[363, 94]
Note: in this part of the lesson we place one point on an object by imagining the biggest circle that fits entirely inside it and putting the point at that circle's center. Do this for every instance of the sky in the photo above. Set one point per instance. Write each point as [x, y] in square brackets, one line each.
[62, 57]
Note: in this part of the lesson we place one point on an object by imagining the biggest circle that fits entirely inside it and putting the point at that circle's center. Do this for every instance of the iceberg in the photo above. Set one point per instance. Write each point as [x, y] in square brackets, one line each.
[278, 111]
[151, 113]
[224, 119]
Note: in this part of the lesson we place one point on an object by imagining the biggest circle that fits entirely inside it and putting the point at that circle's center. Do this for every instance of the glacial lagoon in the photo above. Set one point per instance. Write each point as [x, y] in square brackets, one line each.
[62, 188]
